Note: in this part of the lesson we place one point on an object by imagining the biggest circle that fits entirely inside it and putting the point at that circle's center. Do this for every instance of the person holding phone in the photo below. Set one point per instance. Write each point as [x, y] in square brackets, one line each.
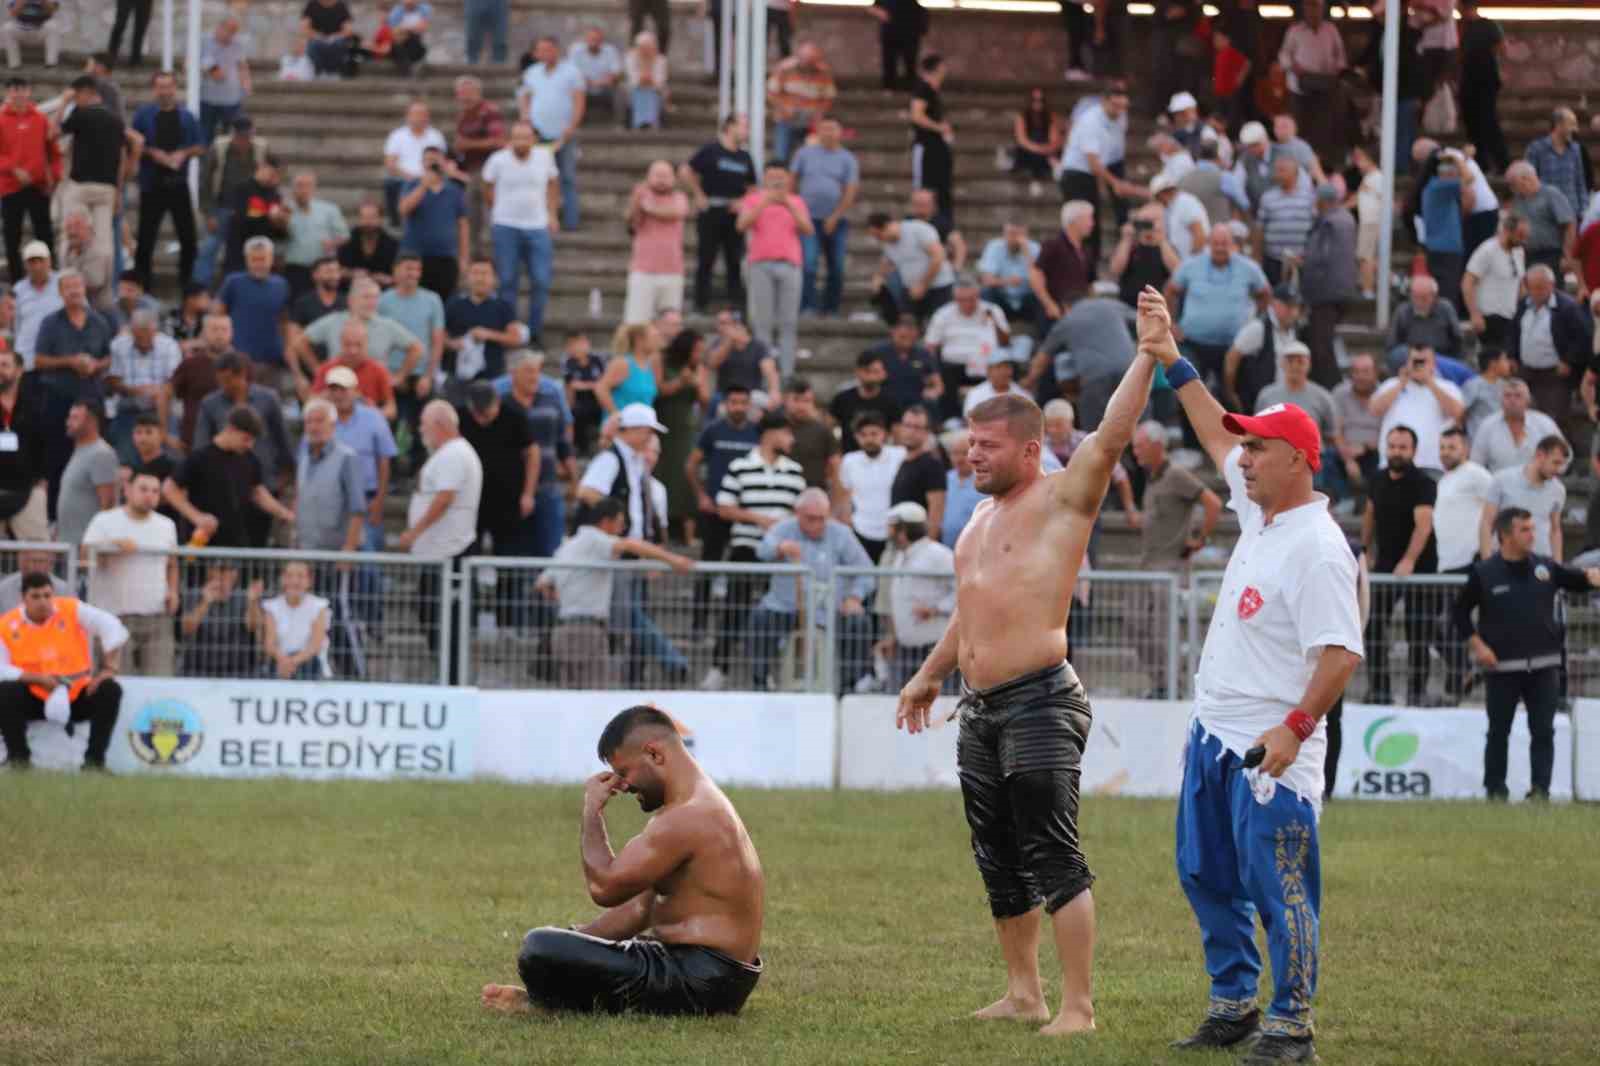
[1419, 398]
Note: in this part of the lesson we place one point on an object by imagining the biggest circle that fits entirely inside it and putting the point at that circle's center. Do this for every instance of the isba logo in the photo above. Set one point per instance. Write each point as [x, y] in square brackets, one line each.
[166, 733]
[1391, 747]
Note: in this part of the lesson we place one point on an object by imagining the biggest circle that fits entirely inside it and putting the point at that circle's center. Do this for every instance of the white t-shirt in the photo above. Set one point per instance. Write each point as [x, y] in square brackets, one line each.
[985, 391]
[453, 468]
[1418, 408]
[521, 187]
[407, 148]
[1483, 192]
[292, 624]
[1369, 198]
[1499, 272]
[1184, 211]
[967, 339]
[1457, 511]
[1288, 593]
[870, 482]
[130, 583]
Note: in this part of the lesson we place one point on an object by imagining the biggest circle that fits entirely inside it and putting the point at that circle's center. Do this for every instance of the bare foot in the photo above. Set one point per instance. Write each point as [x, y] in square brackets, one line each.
[1013, 1010]
[510, 999]
[1069, 1023]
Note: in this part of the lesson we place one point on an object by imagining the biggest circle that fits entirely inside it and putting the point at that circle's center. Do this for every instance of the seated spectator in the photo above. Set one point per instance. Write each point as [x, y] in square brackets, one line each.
[1004, 267]
[1000, 379]
[1418, 398]
[1552, 337]
[827, 177]
[1065, 267]
[255, 299]
[330, 36]
[217, 629]
[219, 488]
[800, 92]
[645, 70]
[479, 326]
[966, 335]
[1426, 320]
[911, 371]
[32, 21]
[1218, 290]
[233, 388]
[47, 660]
[1509, 437]
[865, 395]
[1143, 255]
[370, 251]
[294, 628]
[30, 561]
[131, 297]
[913, 275]
[920, 607]
[1492, 283]
[814, 540]
[1284, 217]
[1037, 137]
[135, 574]
[408, 21]
[601, 66]
[1297, 388]
[142, 363]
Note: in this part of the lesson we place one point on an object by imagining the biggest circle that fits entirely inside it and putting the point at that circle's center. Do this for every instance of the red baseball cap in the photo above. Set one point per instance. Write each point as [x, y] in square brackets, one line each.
[1282, 421]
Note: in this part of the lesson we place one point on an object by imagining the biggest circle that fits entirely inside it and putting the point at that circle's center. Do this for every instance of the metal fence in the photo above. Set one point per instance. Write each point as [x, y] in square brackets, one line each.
[22, 557]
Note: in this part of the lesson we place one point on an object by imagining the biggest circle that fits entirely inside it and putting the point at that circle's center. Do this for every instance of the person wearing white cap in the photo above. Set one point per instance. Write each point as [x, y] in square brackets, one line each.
[37, 294]
[1187, 129]
[919, 607]
[1175, 158]
[1001, 374]
[1295, 386]
[1252, 166]
[1186, 220]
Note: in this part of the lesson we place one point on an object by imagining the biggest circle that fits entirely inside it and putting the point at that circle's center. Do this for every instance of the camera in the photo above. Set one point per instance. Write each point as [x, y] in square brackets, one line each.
[1143, 225]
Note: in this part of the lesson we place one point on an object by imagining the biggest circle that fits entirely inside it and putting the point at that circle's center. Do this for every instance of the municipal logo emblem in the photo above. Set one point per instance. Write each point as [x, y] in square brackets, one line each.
[1542, 572]
[1250, 602]
[166, 733]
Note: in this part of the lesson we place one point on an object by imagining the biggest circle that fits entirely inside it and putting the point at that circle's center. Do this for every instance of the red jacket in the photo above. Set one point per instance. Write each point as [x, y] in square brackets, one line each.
[26, 142]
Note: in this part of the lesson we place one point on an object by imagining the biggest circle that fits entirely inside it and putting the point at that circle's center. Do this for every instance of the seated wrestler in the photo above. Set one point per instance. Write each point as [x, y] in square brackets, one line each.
[684, 898]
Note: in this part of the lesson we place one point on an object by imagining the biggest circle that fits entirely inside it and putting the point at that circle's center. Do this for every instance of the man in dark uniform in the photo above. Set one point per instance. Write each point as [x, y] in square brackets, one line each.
[1517, 641]
[717, 176]
[900, 36]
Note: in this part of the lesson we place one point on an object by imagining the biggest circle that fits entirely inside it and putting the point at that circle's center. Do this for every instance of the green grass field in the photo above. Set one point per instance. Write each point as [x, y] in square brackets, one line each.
[164, 921]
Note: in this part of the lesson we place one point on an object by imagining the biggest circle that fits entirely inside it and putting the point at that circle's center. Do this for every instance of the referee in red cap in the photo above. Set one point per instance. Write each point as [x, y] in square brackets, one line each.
[1284, 640]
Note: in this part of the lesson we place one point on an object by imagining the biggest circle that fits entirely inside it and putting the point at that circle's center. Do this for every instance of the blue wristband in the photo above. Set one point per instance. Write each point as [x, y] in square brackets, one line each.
[1180, 373]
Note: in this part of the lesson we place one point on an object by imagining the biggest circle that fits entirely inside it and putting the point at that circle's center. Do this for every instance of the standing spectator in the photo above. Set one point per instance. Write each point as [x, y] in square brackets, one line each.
[553, 100]
[23, 480]
[598, 60]
[356, 367]
[920, 479]
[722, 441]
[741, 361]
[230, 165]
[143, 361]
[1492, 283]
[1482, 44]
[1037, 138]
[219, 488]
[543, 403]
[828, 178]
[1296, 387]
[421, 312]
[330, 504]
[273, 452]
[30, 166]
[932, 163]
[329, 32]
[479, 327]
[1328, 280]
[435, 212]
[718, 175]
[1218, 289]
[1441, 215]
[1065, 268]
[1092, 161]
[1509, 437]
[489, 18]
[1358, 422]
[866, 479]
[1312, 57]
[1535, 487]
[226, 63]
[1558, 159]
[1285, 216]
[775, 220]
[800, 93]
[961, 488]
[1092, 345]
[407, 23]
[325, 297]
[865, 395]
[1253, 166]
[364, 431]
[1219, 191]
[480, 132]
[1552, 221]
[1397, 535]
[135, 575]
[1553, 338]
[968, 335]
[1457, 512]
[402, 155]
[645, 68]
[442, 515]
[920, 606]
[196, 376]
[257, 299]
[914, 273]
[1003, 269]
[1424, 319]
[902, 24]
[1482, 394]
[1417, 399]
[89, 481]
[1368, 199]
[912, 371]
[656, 211]
[498, 431]
[581, 370]
[32, 21]
[815, 447]
[317, 230]
[633, 375]
[521, 186]
[172, 137]
[1186, 221]
[258, 211]
[71, 356]
[30, 562]
[99, 161]
[370, 250]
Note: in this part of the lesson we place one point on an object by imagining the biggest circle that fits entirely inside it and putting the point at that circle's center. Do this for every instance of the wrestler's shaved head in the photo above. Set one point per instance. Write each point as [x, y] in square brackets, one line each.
[633, 726]
[644, 748]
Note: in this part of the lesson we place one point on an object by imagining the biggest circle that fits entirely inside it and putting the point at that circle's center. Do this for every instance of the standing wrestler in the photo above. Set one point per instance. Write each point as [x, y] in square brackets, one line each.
[1024, 714]
[1284, 640]
[685, 897]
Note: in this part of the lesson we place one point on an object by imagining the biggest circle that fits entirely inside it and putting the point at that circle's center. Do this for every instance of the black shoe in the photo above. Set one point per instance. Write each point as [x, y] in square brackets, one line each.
[1221, 1032]
[1273, 1048]
[1538, 795]
[1499, 795]
[95, 766]
[17, 763]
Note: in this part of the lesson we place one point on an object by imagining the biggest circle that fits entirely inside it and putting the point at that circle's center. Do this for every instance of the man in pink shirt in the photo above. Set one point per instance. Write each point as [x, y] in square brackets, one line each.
[773, 219]
[655, 273]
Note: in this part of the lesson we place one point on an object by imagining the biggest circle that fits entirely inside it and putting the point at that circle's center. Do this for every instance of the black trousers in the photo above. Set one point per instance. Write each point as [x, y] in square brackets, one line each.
[568, 970]
[1418, 628]
[1330, 759]
[19, 706]
[781, 25]
[154, 204]
[717, 232]
[734, 632]
[933, 168]
[1081, 185]
[139, 12]
[714, 534]
[1446, 268]
[899, 50]
[408, 53]
[657, 12]
[1538, 691]
[1079, 26]
[1019, 755]
[440, 274]
[1480, 112]
[32, 203]
[1321, 333]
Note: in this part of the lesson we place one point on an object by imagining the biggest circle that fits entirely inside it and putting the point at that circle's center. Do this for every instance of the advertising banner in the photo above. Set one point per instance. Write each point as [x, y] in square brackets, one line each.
[1586, 750]
[1409, 753]
[771, 740]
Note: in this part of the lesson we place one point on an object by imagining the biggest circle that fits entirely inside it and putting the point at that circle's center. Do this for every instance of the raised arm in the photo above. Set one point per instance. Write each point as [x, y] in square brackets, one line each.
[1083, 485]
[1204, 412]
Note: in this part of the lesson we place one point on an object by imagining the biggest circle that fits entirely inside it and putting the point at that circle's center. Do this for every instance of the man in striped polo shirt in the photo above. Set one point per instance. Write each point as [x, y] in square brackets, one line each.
[758, 491]
[1284, 217]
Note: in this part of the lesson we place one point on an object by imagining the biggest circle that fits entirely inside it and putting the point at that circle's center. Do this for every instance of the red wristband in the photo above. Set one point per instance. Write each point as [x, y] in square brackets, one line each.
[1300, 724]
